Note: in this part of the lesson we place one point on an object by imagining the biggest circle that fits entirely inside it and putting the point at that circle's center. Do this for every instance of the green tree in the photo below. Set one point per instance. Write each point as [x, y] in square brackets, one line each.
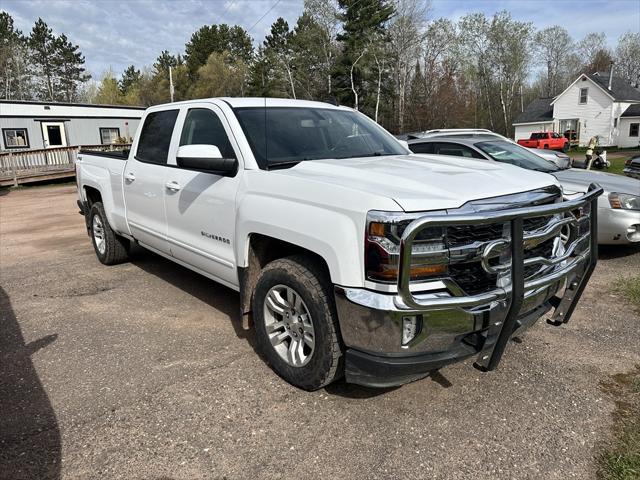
[42, 43]
[221, 76]
[164, 61]
[217, 38]
[308, 60]
[108, 91]
[69, 68]
[278, 52]
[260, 83]
[130, 79]
[356, 71]
[14, 78]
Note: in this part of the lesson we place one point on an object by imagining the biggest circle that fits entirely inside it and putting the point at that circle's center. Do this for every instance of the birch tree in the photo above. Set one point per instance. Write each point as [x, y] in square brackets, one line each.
[627, 57]
[553, 46]
[406, 36]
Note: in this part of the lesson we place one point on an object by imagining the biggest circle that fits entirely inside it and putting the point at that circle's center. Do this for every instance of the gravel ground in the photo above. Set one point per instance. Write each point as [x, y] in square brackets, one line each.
[141, 371]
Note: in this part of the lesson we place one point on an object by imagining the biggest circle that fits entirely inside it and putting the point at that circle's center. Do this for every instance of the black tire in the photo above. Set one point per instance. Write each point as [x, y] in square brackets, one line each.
[115, 247]
[311, 283]
[546, 146]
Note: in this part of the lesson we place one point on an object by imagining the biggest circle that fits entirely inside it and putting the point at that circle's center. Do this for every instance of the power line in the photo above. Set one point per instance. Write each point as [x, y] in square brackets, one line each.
[265, 14]
[229, 5]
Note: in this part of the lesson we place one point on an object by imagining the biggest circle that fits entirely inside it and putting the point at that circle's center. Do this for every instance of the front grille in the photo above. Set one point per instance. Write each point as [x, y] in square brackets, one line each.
[470, 276]
[460, 235]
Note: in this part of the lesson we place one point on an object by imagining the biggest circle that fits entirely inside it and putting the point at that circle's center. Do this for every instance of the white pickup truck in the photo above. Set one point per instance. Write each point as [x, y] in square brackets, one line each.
[352, 256]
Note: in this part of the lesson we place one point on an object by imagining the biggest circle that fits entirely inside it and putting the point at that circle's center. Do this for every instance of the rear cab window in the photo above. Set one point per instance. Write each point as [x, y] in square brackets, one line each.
[155, 137]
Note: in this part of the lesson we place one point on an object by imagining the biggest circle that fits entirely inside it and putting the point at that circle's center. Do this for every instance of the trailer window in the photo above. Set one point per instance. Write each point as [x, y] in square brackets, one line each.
[633, 129]
[15, 137]
[109, 136]
[155, 138]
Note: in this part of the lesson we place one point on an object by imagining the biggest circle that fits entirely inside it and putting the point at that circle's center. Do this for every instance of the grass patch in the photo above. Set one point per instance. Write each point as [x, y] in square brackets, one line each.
[630, 288]
[620, 459]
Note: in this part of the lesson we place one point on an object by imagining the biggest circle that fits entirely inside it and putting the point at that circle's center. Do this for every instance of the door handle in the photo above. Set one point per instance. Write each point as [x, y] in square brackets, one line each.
[129, 177]
[173, 186]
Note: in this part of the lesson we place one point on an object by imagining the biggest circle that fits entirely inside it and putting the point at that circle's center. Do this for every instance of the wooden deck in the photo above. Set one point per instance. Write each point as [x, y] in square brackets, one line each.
[30, 176]
[28, 166]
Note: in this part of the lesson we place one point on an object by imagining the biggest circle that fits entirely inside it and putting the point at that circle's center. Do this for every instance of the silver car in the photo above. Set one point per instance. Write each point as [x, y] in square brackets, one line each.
[561, 159]
[619, 207]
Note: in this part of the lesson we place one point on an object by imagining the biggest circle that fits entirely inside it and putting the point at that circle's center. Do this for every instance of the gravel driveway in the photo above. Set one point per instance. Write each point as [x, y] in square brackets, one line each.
[141, 371]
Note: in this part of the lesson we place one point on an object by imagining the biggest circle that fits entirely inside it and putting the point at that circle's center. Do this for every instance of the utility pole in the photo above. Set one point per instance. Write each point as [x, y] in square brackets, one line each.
[521, 99]
[171, 90]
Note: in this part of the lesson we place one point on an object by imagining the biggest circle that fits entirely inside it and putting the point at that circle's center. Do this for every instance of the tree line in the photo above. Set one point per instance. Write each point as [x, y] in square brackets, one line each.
[387, 58]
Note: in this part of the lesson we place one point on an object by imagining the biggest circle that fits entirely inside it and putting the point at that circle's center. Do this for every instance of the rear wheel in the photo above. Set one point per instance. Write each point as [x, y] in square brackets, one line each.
[546, 146]
[110, 248]
[296, 322]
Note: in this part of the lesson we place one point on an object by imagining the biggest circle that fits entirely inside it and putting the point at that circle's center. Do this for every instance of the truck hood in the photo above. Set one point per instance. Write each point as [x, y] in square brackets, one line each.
[576, 180]
[423, 182]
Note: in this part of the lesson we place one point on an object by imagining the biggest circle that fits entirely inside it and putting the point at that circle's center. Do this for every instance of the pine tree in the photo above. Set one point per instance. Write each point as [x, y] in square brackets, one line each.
[217, 39]
[130, 78]
[68, 64]
[364, 29]
[42, 43]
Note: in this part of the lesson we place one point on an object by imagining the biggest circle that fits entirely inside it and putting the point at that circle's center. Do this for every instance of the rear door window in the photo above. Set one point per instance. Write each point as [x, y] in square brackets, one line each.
[455, 149]
[424, 147]
[155, 137]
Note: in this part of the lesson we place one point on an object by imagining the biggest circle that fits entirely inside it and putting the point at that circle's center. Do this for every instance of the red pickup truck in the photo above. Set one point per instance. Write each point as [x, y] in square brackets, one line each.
[550, 140]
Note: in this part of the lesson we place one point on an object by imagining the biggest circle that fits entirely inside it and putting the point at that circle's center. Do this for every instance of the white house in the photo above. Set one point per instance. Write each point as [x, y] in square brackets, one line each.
[36, 125]
[596, 104]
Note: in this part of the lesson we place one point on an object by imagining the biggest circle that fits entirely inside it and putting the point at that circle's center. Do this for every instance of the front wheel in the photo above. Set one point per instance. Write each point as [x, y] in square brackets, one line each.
[296, 322]
[110, 247]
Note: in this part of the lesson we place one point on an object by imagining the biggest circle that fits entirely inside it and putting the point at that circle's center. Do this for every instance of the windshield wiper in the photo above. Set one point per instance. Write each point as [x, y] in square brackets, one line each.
[288, 163]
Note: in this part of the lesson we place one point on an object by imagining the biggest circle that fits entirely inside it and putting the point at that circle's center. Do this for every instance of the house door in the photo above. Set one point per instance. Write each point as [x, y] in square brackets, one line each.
[53, 134]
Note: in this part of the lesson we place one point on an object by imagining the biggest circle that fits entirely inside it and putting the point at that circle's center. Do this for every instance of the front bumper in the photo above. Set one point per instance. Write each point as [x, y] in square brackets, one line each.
[455, 327]
[618, 226]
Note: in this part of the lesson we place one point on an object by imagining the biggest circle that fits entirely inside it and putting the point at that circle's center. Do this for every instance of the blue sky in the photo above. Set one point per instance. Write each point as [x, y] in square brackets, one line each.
[114, 34]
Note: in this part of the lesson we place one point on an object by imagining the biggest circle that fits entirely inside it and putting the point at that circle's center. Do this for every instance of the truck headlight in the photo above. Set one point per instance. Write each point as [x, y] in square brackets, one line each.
[624, 201]
[430, 257]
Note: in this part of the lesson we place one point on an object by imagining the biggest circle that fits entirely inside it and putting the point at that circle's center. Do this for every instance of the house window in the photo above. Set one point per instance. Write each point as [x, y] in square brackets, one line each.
[109, 135]
[15, 137]
[583, 95]
[633, 129]
[615, 123]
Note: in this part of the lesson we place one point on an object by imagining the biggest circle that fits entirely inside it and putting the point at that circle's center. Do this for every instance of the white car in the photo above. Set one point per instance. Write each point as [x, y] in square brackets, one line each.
[352, 257]
[619, 207]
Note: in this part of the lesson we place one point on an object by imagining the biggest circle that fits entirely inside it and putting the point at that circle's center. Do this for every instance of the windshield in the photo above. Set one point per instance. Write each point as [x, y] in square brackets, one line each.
[295, 134]
[508, 152]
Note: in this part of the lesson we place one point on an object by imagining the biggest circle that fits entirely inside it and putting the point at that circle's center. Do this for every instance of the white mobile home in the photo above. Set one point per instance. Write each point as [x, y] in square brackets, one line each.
[598, 104]
[39, 125]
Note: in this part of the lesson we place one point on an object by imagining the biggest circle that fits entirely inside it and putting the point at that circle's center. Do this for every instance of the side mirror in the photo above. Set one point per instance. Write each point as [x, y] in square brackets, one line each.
[207, 159]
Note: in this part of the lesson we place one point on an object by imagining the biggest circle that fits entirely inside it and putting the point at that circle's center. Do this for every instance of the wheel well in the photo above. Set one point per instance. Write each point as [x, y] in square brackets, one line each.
[263, 250]
[93, 195]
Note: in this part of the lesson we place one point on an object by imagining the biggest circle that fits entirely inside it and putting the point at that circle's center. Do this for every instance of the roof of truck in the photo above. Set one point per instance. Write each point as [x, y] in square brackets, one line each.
[240, 102]
[243, 102]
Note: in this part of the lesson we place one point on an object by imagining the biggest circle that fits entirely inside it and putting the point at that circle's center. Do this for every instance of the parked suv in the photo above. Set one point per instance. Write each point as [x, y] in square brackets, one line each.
[351, 256]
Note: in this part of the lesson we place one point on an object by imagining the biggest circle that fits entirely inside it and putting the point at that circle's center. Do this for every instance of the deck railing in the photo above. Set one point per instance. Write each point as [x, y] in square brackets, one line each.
[27, 163]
